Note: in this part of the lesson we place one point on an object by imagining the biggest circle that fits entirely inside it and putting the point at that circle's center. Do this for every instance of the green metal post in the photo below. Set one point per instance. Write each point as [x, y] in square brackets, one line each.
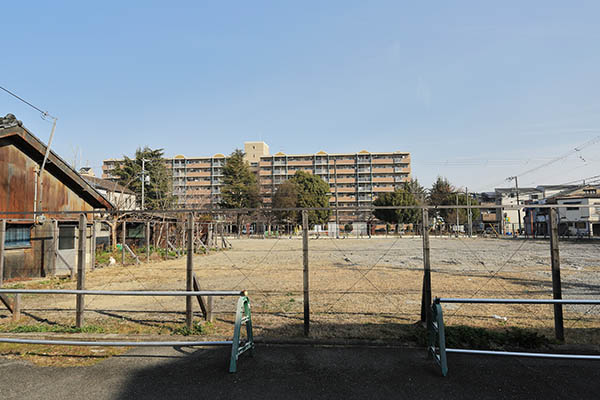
[436, 335]
[242, 316]
[442, 338]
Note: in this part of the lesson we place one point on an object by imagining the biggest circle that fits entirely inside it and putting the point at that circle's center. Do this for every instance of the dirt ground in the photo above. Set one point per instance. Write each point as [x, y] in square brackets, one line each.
[359, 288]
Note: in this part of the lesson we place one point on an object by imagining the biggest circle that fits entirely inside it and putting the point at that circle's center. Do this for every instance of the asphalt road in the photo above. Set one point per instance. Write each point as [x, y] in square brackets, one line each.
[302, 372]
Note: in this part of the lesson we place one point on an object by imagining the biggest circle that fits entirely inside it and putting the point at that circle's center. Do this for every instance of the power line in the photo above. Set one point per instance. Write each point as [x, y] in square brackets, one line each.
[44, 113]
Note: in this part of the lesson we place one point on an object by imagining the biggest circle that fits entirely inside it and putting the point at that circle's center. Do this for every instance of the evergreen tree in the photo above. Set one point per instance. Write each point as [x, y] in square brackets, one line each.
[240, 186]
[400, 197]
[286, 197]
[158, 190]
[312, 192]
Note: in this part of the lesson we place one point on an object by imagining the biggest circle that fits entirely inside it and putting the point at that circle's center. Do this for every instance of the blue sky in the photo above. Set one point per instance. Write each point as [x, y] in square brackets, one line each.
[476, 91]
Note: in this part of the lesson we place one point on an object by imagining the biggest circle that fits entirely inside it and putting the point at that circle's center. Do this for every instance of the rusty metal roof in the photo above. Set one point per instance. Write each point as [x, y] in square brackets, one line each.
[12, 131]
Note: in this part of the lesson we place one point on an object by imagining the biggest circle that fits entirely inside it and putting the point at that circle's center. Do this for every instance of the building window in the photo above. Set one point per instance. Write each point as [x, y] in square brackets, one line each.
[17, 236]
[135, 232]
[66, 237]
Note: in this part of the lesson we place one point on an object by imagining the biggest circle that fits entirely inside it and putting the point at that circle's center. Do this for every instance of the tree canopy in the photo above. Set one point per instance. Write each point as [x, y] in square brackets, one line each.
[158, 192]
[240, 186]
[400, 197]
[414, 187]
[445, 194]
[312, 192]
[286, 196]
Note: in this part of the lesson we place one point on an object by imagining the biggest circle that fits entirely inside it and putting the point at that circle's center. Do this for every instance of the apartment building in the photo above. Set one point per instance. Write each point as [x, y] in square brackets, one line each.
[355, 179]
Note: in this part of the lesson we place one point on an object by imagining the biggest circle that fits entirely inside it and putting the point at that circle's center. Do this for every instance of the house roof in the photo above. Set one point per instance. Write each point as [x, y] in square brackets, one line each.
[13, 132]
[105, 184]
[524, 190]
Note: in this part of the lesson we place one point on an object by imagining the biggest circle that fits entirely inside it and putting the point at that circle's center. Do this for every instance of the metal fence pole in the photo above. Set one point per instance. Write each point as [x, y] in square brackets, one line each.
[2, 239]
[148, 241]
[305, 272]
[556, 284]
[190, 270]
[426, 294]
[81, 269]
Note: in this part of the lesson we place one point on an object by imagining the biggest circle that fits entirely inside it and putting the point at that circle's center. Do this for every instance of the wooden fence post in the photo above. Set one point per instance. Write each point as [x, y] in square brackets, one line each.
[556, 284]
[210, 316]
[123, 236]
[305, 272]
[81, 270]
[148, 242]
[426, 294]
[190, 270]
[93, 249]
[2, 239]
[16, 311]
[54, 256]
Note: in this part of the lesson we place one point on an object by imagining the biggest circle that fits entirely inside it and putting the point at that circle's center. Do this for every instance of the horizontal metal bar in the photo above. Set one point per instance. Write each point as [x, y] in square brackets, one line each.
[129, 292]
[115, 344]
[521, 354]
[517, 301]
[268, 210]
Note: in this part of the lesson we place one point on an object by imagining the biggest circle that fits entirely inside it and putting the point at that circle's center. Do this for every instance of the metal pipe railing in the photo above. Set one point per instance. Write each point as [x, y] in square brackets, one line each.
[128, 292]
[115, 344]
[524, 354]
[437, 337]
[515, 301]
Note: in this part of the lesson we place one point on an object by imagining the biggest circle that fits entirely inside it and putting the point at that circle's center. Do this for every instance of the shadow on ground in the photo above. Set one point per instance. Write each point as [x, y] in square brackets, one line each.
[308, 372]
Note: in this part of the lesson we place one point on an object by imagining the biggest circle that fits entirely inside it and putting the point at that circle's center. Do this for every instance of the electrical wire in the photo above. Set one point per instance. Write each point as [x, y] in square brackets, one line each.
[44, 113]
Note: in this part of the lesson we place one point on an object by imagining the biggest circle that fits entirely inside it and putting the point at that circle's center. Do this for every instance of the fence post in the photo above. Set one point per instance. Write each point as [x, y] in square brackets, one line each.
[556, 284]
[16, 312]
[190, 270]
[167, 242]
[93, 249]
[2, 239]
[426, 294]
[305, 271]
[124, 225]
[148, 242]
[210, 316]
[81, 269]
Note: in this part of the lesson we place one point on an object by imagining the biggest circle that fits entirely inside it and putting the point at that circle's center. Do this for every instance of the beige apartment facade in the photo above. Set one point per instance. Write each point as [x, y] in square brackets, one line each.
[355, 179]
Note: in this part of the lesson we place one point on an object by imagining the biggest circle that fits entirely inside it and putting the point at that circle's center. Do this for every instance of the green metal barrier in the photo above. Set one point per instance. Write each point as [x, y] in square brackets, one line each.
[238, 347]
[437, 337]
[436, 340]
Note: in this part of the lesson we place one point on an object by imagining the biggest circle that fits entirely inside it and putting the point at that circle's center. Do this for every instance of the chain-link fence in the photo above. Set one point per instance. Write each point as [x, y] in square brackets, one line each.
[355, 277]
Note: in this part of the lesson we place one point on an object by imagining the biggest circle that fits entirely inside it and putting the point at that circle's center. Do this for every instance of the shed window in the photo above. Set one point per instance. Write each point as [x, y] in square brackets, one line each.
[135, 232]
[17, 236]
[66, 237]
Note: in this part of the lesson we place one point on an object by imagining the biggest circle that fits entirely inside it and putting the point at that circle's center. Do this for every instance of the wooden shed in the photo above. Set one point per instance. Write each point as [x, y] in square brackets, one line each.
[42, 243]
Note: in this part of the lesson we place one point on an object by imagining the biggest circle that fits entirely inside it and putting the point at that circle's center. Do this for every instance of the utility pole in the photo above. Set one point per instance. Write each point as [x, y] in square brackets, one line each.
[516, 179]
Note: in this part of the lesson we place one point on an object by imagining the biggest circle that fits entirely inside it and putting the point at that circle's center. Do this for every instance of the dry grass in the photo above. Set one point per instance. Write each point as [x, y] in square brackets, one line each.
[58, 356]
[360, 288]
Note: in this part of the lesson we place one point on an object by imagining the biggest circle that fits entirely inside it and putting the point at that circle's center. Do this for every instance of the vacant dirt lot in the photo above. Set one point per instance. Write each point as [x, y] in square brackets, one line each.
[359, 288]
